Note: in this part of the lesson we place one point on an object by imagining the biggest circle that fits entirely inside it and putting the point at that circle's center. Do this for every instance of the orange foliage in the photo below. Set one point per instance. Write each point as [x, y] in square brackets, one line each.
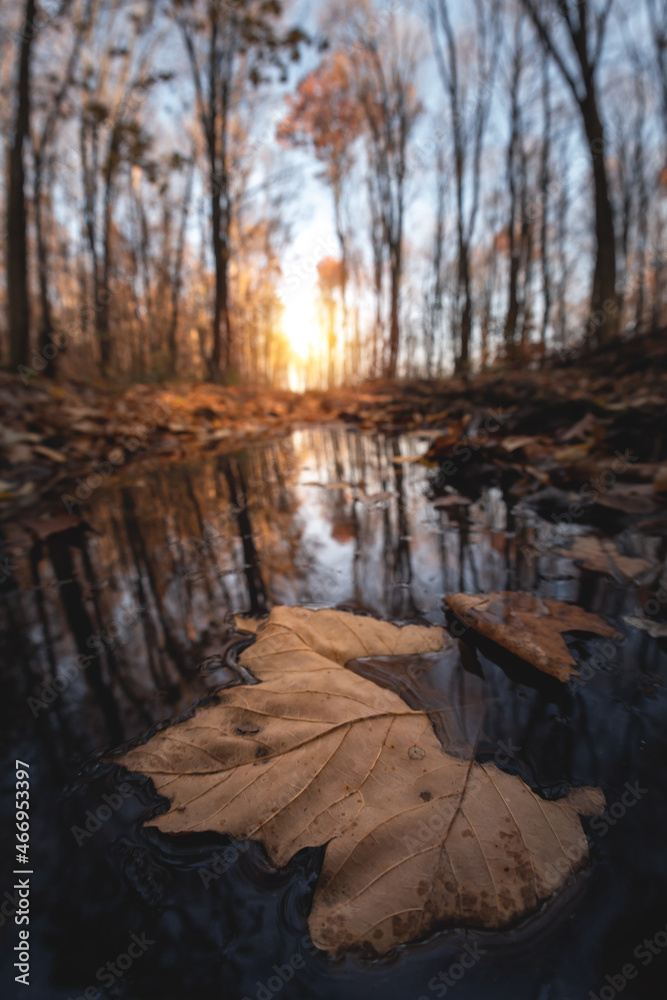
[324, 114]
[329, 271]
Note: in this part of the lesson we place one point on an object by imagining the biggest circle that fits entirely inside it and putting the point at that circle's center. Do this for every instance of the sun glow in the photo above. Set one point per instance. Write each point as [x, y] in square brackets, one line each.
[301, 326]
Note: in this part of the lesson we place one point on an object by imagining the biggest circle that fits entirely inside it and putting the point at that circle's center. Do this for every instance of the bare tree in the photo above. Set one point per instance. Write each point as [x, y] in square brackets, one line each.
[227, 43]
[43, 154]
[176, 276]
[657, 13]
[469, 103]
[18, 302]
[545, 186]
[433, 311]
[113, 83]
[325, 115]
[515, 154]
[578, 59]
[385, 71]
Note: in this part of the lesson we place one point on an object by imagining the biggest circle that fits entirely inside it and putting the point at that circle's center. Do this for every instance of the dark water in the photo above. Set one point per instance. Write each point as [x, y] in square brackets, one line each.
[146, 591]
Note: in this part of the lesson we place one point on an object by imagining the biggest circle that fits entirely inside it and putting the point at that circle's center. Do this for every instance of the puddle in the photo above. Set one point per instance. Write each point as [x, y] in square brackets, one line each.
[119, 626]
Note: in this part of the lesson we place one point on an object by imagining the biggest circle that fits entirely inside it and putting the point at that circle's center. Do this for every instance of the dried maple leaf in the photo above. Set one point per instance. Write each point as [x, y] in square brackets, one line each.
[315, 754]
[529, 626]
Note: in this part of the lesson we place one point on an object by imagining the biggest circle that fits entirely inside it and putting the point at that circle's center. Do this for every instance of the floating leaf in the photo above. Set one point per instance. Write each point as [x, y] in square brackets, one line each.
[406, 459]
[602, 556]
[452, 500]
[42, 527]
[317, 755]
[529, 626]
[657, 630]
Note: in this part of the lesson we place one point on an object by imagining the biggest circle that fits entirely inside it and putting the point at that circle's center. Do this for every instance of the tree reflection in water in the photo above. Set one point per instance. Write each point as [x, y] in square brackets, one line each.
[146, 590]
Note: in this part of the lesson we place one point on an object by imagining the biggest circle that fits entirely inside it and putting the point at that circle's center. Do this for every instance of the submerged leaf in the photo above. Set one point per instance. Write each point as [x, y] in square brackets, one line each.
[317, 755]
[529, 626]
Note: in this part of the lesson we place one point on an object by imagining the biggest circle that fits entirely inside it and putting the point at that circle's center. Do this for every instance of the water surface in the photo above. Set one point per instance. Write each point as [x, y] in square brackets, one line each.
[146, 589]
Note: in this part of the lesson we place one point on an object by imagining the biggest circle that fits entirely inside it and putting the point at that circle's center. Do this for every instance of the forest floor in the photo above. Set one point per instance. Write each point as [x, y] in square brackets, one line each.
[555, 427]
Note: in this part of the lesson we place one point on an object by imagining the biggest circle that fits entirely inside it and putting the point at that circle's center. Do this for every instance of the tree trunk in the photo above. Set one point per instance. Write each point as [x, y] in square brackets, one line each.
[45, 327]
[102, 290]
[463, 360]
[544, 196]
[177, 278]
[394, 328]
[18, 303]
[604, 302]
[342, 242]
[222, 352]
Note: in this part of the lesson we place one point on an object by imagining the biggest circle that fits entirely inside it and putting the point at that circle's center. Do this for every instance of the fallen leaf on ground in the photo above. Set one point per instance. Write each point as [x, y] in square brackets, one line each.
[88, 427]
[55, 456]
[631, 499]
[514, 443]
[580, 431]
[529, 626]
[602, 556]
[573, 453]
[8, 437]
[315, 754]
